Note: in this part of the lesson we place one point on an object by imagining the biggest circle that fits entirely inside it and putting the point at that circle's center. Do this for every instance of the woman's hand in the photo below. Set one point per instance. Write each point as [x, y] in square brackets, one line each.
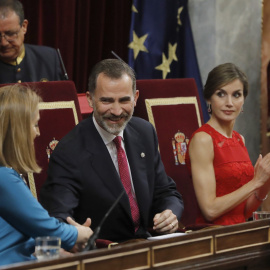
[262, 170]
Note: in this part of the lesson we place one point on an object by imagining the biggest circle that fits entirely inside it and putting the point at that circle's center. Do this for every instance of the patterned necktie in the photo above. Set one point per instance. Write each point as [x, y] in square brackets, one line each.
[126, 181]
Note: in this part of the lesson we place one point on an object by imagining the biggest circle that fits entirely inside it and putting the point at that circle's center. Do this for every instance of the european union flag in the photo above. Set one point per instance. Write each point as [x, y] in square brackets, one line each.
[161, 42]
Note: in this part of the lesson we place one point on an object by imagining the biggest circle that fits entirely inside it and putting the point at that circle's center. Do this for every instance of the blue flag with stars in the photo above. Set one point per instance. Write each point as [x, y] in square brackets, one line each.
[161, 42]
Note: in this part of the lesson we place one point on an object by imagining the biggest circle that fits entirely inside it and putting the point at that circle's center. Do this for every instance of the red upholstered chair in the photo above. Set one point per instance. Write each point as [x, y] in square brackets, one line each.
[59, 113]
[86, 110]
[173, 107]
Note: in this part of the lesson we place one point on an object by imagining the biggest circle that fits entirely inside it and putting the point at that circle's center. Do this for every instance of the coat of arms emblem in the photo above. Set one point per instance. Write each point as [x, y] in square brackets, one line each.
[51, 147]
[179, 144]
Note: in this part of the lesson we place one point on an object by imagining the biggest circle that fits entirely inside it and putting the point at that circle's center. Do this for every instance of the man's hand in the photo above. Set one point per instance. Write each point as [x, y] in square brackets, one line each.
[84, 232]
[165, 222]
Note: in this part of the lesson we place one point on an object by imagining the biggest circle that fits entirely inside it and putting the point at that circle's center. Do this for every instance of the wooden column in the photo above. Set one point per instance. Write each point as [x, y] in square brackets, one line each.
[265, 55]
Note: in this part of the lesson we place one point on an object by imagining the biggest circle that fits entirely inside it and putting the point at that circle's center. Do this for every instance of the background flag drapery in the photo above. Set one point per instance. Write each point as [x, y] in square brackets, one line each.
[161, 42]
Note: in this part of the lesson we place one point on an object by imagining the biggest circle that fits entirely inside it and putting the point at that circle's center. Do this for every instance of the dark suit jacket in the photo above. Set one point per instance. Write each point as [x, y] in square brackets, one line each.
[40, 63]
[83, 182]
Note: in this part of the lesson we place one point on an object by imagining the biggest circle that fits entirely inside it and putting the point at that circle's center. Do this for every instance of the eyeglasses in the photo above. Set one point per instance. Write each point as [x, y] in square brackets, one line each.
[10, 36]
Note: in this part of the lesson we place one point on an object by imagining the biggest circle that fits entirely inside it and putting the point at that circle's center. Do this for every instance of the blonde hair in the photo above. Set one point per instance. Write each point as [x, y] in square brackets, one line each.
[18, 107]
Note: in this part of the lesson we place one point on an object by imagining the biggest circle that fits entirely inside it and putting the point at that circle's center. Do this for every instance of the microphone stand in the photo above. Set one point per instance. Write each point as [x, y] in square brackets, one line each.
[118, 57]
[63, 66]
[91, 241]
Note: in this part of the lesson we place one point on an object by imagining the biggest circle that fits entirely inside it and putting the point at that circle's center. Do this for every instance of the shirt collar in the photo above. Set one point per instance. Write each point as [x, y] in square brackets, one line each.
[19, 58]
[106, 136]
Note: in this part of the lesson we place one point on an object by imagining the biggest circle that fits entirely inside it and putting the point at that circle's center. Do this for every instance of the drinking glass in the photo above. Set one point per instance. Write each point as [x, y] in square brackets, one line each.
[47, 247]
[261, 215]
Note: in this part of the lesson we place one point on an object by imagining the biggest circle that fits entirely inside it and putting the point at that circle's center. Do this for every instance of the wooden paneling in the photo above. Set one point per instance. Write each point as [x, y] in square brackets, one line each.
[241, 239]
[172, 253]
[135, 259]
[243, 246]
[67, 266]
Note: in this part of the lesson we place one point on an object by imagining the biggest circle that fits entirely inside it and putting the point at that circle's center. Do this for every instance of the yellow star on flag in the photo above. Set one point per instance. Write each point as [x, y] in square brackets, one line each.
[164, 67]
[178, 15]
[172, 52]
[134, 9]
[137, 44]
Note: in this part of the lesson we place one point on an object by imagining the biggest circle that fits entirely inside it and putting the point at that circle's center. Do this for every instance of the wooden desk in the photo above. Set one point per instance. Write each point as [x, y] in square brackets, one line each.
[243, 246]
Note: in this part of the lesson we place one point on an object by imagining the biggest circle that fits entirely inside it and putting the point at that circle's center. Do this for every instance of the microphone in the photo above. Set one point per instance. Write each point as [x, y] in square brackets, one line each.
[91, 241]
[62, 64]
[118, 57]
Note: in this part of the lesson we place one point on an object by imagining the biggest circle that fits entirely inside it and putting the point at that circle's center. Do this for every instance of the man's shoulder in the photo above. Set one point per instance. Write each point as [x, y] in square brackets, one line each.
[39, 49]
[137, 121]
[140, 125]
[79, 130]
[74, 143]
[77, 137]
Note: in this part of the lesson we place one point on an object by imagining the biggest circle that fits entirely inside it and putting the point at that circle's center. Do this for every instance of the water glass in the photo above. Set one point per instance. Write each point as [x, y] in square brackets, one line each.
[47, 247]
[261, 215]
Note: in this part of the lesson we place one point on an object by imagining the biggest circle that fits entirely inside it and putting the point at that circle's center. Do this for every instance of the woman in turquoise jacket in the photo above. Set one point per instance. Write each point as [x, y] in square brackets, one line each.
[22, 218]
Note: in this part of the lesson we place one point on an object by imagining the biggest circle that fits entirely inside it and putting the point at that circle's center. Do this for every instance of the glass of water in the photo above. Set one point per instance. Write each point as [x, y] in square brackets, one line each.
[47, 247]
[261, 215]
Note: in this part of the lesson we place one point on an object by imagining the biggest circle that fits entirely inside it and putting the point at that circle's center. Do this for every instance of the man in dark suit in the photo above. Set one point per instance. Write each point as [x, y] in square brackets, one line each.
[84, 175]
[21, 62]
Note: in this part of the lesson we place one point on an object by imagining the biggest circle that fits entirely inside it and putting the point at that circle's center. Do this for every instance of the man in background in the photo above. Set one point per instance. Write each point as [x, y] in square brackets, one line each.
[21, 62]
[107, 153]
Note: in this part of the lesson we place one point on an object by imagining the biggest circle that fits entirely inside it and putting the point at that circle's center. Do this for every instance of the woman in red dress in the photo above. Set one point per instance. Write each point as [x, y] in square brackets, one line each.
[227, 187]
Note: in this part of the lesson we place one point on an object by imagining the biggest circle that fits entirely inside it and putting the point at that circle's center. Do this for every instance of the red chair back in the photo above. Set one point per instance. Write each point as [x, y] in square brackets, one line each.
[59, 113]
[173, 107]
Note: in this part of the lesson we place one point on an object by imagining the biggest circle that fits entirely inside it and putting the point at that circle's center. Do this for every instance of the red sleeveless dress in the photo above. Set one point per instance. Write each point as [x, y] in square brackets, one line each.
[233, 169]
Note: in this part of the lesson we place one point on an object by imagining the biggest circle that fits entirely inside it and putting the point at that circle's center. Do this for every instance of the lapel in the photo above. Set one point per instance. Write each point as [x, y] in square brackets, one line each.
[102, 164]
[135, 152]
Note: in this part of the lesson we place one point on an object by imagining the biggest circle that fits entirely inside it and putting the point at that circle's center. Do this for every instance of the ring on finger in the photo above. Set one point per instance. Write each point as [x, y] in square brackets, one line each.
[172, 225]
